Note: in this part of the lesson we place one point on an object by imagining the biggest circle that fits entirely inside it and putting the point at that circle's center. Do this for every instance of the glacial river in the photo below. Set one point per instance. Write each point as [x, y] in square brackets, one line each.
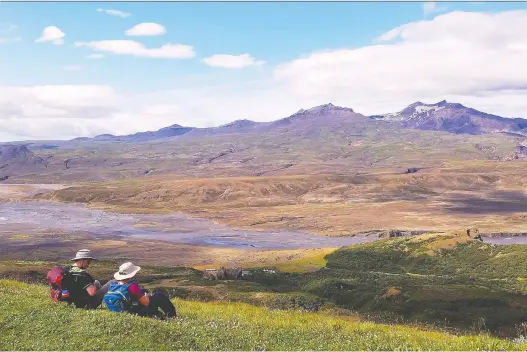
[44, 217]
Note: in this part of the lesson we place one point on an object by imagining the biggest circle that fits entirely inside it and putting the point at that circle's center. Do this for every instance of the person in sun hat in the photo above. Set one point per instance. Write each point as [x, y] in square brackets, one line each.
[125, 295]
[84, 291]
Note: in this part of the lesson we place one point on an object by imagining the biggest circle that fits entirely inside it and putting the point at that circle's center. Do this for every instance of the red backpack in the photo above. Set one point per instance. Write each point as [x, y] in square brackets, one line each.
[57, 289]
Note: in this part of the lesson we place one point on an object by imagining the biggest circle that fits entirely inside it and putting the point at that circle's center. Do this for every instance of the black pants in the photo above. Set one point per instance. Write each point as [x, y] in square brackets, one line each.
[159, 306]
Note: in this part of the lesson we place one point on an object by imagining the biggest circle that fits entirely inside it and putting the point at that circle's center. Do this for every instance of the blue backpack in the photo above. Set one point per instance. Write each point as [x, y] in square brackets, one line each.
[118, 297]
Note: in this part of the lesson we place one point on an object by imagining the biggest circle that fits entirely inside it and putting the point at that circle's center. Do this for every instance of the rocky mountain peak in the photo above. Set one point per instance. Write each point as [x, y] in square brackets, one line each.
[325, 109]
[454, 118]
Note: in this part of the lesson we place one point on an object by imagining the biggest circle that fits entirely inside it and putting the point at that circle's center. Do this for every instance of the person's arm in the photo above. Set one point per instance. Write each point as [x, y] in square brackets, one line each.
[144, 300]
[139, 295]
[92, 290]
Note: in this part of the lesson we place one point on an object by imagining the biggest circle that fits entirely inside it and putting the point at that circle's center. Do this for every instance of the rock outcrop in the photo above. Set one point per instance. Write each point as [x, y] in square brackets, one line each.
[223, 274]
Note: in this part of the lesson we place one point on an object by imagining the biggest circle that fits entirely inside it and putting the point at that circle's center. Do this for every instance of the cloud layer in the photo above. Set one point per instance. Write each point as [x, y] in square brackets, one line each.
[459, 54]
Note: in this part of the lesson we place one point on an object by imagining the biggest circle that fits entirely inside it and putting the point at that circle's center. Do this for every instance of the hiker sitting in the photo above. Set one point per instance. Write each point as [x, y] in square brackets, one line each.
[125, 295]
[84, 291]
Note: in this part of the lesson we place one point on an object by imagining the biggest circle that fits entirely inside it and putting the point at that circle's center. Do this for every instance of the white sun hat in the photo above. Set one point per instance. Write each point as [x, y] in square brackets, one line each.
[83, 254]
[126, 271]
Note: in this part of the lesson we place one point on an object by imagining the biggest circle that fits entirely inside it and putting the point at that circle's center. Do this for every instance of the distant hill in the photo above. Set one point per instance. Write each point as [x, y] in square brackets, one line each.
[171, 131]
[454, 118]
[15, 159]
[238, 126]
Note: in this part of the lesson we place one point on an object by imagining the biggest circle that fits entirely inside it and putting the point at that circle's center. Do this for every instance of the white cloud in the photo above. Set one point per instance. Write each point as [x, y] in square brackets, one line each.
[72, 68]
[476, 59]
[52, 34]
[146, 29]
[232, 61]
[95, 56]
[130, 47]
[115, 13]
[55, 111]
[459, 54]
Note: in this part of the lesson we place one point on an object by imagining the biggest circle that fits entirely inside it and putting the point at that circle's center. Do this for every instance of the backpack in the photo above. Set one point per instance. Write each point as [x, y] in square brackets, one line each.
[118, 297]
[57, 284]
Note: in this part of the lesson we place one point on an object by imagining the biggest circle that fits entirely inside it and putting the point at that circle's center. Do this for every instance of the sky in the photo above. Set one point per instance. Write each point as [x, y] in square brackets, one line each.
[87, 68]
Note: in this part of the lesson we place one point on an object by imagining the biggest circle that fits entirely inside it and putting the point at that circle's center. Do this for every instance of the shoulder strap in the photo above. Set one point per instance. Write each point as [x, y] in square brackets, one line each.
[117, 291]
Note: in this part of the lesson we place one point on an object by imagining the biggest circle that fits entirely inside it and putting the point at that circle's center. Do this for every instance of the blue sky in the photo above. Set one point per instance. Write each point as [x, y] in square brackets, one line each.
[279, 34]
[274, 32]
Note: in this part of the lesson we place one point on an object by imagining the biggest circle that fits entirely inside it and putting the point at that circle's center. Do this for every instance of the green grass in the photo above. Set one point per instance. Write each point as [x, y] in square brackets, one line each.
[30, 321]
[441, 281]
[446, 255]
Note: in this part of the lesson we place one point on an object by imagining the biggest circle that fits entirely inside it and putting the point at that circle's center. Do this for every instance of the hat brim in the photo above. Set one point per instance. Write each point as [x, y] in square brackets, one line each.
[75, 259]
[118, 276]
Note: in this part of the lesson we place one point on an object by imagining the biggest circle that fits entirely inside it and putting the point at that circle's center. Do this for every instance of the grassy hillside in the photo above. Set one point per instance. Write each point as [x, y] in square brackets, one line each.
[30, 321]
[447, 281]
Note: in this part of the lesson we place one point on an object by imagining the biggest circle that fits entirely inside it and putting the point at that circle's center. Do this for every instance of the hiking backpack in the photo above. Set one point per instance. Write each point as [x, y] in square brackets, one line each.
[56, 279]
[118, 297]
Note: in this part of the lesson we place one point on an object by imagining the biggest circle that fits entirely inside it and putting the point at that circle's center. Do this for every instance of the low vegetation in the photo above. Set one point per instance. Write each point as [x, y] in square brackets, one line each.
[30, 321]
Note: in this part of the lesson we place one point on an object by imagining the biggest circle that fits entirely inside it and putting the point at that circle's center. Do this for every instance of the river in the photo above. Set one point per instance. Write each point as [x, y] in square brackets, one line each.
[34, 217]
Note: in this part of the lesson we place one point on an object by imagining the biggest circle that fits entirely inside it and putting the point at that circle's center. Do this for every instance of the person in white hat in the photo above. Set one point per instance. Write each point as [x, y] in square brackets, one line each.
[84, 291]
[125, 295]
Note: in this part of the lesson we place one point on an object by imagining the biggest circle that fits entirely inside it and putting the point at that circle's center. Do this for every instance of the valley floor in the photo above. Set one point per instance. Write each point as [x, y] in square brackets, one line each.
[487, 195]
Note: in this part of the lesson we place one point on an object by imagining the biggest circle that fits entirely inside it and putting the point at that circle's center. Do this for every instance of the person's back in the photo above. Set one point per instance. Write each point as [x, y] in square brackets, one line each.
[84, 291]
[121, 296]
[76, 282]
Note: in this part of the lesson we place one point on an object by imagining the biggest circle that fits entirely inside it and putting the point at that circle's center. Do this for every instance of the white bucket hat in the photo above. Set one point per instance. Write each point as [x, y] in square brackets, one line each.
[126, 271]
[83, 254]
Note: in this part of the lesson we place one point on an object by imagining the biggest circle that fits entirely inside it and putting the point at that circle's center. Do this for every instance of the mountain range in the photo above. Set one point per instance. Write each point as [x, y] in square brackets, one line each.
[441, 116]
[324, 139]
